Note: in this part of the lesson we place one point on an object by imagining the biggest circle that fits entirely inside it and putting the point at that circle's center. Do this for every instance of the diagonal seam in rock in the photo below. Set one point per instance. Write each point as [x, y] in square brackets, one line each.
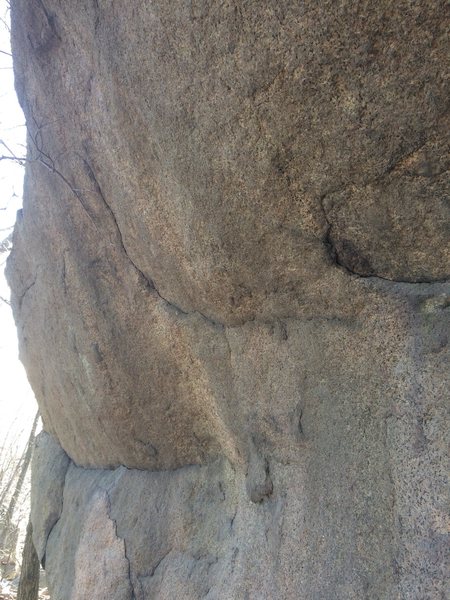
[336, 260]
[26, 290]
[149, 283]
[158, 564]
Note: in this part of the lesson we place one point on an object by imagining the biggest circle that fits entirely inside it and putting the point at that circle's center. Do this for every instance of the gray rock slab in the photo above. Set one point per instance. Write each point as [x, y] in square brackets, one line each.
[48, 472]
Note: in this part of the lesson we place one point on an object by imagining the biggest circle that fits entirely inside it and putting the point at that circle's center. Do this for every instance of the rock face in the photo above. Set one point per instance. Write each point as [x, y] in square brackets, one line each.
[230, 283]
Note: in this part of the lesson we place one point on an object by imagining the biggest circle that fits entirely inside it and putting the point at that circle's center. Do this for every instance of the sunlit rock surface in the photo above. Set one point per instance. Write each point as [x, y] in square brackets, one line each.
[229, 280]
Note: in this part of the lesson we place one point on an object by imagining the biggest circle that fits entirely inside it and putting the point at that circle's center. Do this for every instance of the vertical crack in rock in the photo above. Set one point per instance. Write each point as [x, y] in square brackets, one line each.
[130, 577]
[56, 520]
[48, 479]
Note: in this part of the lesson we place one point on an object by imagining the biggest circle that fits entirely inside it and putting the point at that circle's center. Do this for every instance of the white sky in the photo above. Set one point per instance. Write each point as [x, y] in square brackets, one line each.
[17, 403]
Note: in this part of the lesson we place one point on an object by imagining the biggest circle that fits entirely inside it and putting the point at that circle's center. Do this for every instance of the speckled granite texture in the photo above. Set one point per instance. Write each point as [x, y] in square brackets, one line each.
[230, 279]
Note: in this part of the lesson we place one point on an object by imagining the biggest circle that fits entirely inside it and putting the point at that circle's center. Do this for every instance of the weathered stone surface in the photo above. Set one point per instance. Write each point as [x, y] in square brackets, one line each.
[230, 284]
[49, 468]
[88, 560]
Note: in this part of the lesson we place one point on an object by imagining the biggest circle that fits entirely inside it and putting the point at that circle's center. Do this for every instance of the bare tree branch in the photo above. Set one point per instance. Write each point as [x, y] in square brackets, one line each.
[18, 159]
[5, 24]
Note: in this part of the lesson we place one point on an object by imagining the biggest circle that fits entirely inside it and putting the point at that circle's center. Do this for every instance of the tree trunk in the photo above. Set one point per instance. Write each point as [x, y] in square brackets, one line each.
[29, 576]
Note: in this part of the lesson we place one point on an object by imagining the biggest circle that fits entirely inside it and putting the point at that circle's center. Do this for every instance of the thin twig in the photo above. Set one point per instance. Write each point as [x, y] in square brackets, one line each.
[5, 24]
[18, 159]
[12, 155]
[3, 143]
